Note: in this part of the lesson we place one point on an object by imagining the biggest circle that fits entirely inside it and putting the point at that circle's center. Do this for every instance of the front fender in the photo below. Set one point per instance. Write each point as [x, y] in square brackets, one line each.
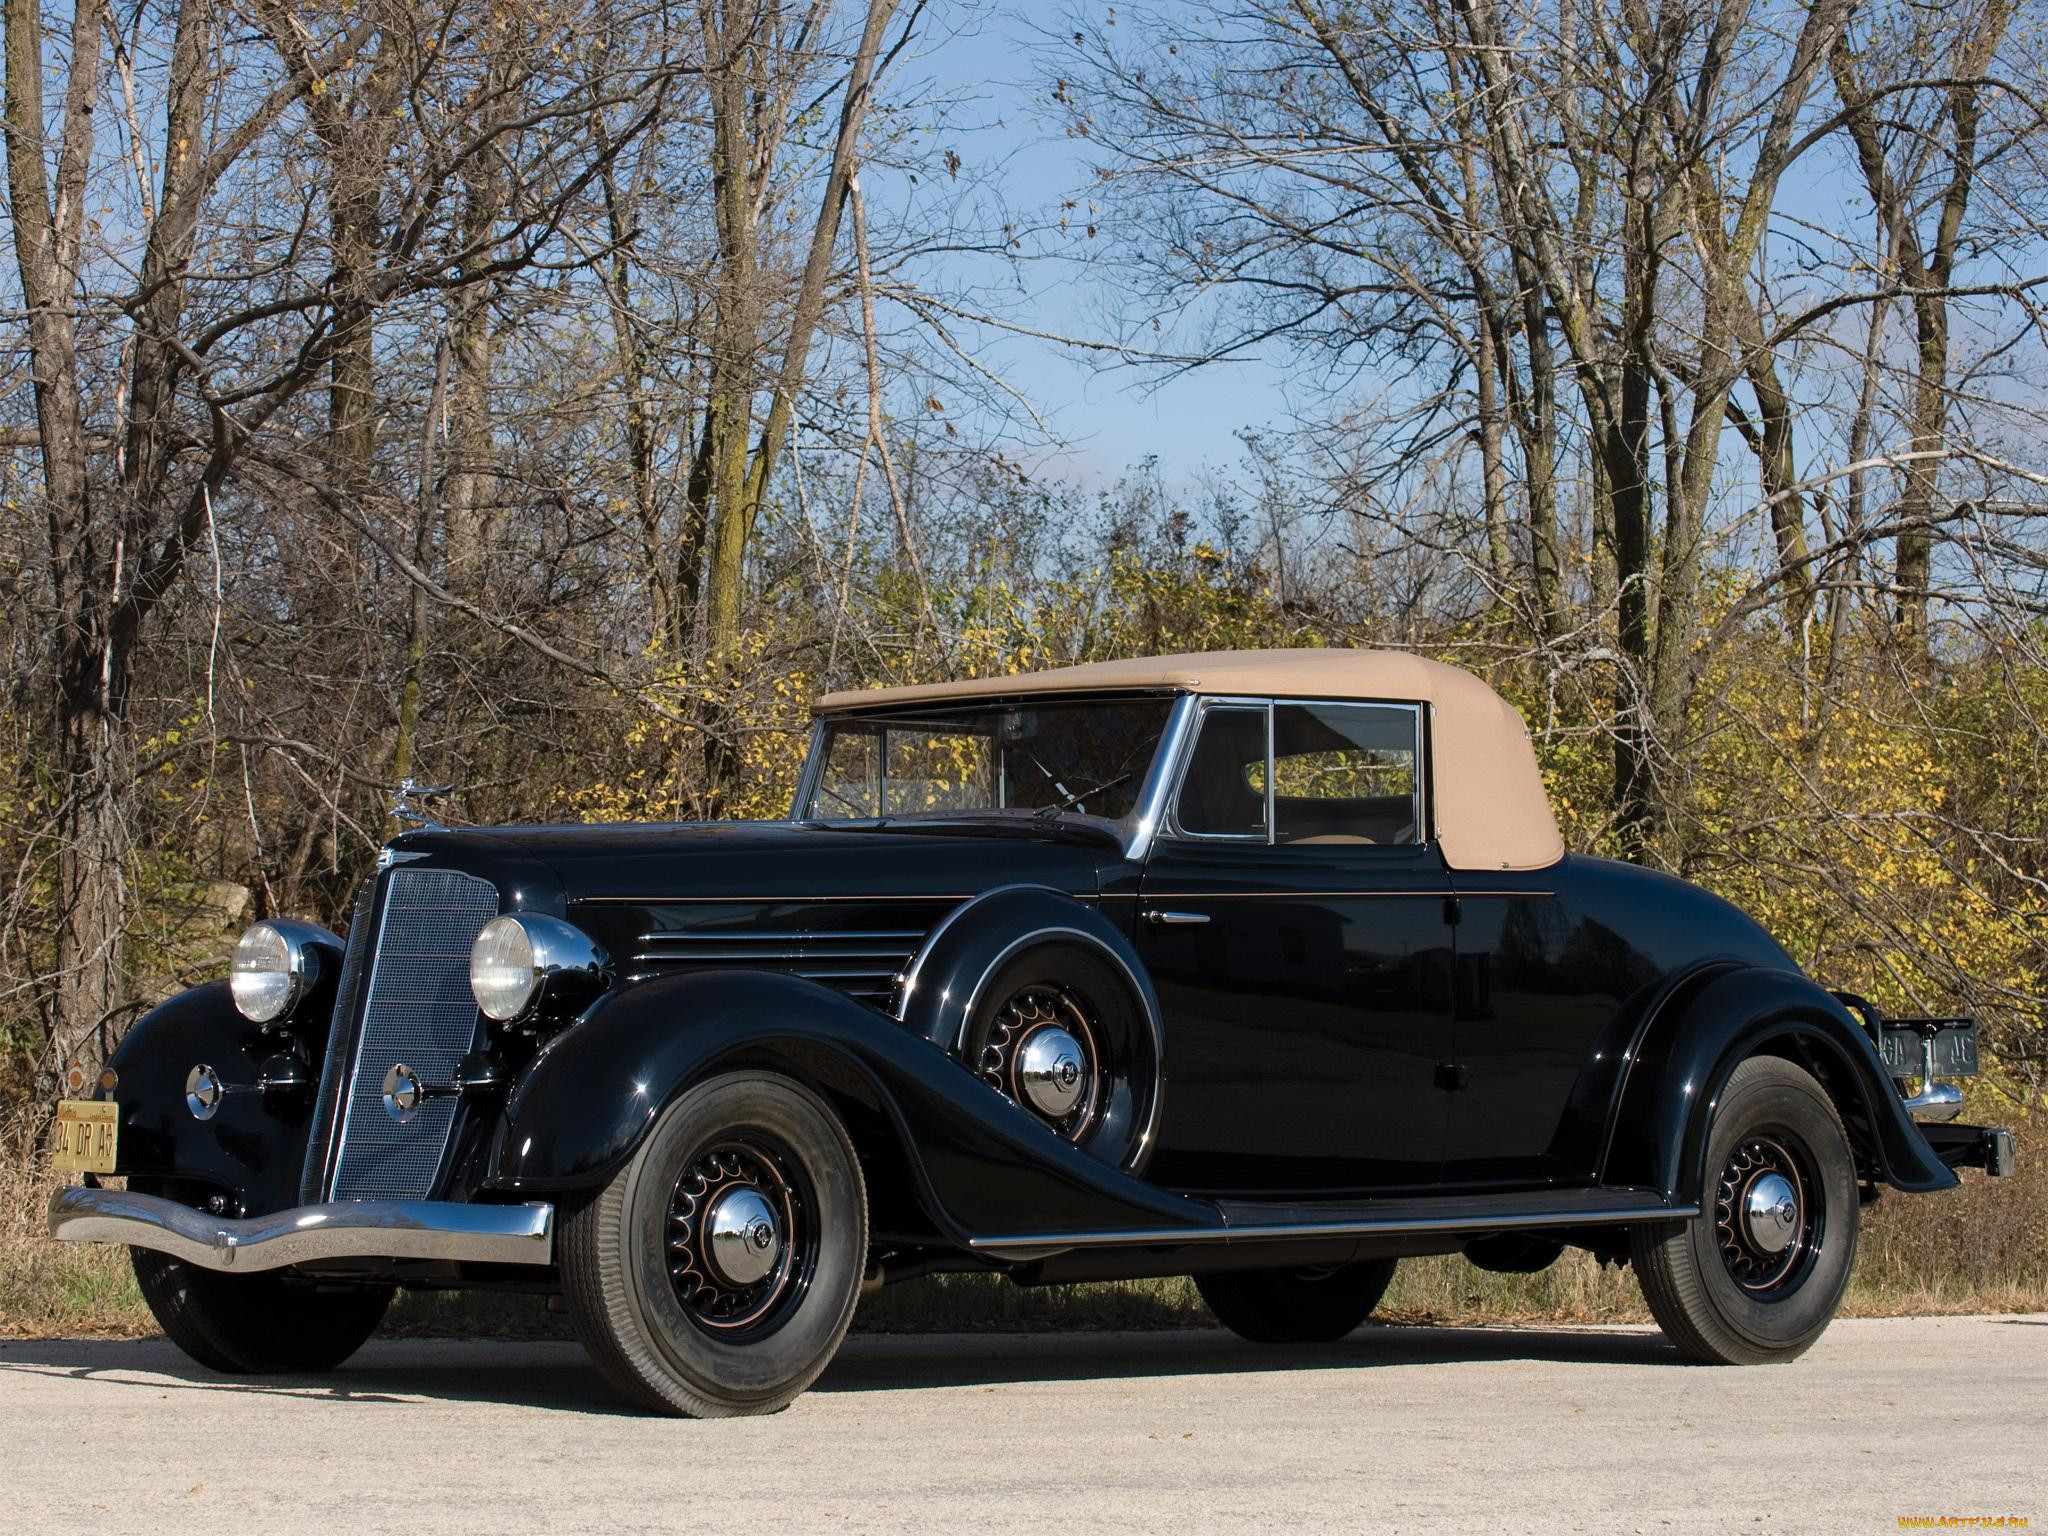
[1682, 1063]
[254, 1147]
[978, 1165]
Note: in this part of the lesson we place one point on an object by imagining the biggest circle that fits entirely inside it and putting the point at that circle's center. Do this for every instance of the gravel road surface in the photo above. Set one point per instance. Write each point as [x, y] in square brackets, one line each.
[1396, 1429]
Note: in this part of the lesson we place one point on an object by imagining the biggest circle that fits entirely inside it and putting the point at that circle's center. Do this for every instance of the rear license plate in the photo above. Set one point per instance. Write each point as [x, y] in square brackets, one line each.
[1955, 1049]
[87, 1137]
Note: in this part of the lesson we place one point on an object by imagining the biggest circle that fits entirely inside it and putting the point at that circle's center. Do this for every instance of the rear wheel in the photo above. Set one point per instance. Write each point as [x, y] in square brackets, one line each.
[1296, 1306]
[717, 1272]
[1757, 1275]
[265, 1325]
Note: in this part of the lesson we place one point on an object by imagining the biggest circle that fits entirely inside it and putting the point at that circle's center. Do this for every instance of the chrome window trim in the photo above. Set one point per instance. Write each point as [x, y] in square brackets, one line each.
[1155, 796]
[1425, 803]
[1204, 703]
[1142, 822]
[807, 780]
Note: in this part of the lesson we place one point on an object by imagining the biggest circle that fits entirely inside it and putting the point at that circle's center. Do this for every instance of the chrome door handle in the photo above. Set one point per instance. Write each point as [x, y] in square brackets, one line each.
[1161, 919]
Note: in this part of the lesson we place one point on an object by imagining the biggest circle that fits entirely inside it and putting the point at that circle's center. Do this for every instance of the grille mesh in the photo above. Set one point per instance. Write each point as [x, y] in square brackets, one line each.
[418, 1010]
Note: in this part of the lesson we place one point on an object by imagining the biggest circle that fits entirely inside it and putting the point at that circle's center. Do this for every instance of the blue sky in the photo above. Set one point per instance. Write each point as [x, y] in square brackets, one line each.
[1109, 417]
[992, 59]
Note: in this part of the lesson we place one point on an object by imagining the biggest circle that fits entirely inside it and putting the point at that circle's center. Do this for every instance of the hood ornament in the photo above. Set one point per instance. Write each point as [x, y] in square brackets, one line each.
[406, 813]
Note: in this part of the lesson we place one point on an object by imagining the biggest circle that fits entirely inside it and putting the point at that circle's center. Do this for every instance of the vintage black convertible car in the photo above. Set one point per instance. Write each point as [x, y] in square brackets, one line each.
[1265, 967]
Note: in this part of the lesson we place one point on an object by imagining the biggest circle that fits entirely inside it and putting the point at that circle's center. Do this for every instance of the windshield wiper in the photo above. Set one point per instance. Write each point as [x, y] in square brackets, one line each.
[1053, 811]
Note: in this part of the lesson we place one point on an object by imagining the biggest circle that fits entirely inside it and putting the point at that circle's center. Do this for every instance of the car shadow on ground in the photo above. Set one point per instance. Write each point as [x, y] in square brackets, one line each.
[529, 1373]
[887, 1362]
[554, 1375]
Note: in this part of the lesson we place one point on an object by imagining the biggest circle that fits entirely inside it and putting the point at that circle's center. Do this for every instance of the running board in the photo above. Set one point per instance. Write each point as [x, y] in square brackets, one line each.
[1246, 1221]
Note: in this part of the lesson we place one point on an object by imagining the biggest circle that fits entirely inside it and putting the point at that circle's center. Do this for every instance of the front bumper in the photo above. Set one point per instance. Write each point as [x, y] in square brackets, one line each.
[309, 1234]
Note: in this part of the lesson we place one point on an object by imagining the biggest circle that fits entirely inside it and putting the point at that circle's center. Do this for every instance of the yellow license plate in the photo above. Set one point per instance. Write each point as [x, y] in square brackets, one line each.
[88, 1133]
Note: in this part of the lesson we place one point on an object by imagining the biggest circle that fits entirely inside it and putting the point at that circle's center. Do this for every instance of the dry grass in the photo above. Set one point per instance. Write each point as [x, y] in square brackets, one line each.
[1983, 1248]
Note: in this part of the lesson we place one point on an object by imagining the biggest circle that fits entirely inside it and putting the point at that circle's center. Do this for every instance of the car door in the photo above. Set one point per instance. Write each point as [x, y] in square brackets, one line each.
[1293, 922]
[1541, 984]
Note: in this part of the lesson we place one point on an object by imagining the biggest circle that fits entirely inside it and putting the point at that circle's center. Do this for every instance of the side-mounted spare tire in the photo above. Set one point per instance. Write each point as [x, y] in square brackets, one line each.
[1043, 1000]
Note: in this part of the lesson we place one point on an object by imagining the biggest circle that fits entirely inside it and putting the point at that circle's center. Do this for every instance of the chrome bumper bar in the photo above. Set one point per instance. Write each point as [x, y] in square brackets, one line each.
[309, 1234]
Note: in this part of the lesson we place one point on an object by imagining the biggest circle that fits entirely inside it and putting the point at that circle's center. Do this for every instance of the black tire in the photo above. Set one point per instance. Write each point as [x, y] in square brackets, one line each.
[659, 1319]
[1296, 1306]
[256, 1325]
[1717, 1287]
[1083, 992]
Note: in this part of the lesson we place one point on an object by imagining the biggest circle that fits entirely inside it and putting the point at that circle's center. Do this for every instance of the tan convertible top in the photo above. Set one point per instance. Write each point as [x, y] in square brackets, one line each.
[1491, 809]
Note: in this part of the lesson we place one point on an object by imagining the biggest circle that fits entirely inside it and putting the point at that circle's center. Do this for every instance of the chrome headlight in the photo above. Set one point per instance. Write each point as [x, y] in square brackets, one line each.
[521, 962]
[277, 962]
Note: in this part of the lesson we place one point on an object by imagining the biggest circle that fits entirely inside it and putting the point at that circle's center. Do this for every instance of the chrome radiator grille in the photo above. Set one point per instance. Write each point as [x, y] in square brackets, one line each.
[863, 963]
[417, 1008]
[340, 1036]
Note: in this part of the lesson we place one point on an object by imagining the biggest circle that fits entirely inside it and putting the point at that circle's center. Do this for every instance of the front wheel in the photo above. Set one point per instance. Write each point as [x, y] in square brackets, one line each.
[1296, 1306]
[1757, 1275]
[264, 1324]
[716, 1273]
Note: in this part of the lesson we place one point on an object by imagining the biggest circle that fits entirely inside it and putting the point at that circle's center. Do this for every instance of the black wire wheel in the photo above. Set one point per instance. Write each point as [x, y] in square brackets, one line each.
[1765, 1219]
[1057, 1029]
[1318, 1304]
[1041, 1050]
[716, 1273]
[743, 1237]
[1757, 1275]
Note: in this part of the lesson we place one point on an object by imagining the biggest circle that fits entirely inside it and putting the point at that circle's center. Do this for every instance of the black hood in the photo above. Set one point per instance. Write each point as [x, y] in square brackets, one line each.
[543, 867]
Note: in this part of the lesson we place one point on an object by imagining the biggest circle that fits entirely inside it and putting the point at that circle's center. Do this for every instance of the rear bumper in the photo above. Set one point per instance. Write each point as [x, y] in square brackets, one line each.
[1972, 1146]
[309, 1234]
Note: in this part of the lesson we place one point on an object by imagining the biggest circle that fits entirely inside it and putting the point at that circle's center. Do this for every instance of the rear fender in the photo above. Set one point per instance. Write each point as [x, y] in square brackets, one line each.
[1683, 1062]
[978, 1165]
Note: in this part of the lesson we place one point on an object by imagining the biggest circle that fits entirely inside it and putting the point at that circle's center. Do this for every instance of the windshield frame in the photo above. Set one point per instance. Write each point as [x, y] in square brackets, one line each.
[1135, 831]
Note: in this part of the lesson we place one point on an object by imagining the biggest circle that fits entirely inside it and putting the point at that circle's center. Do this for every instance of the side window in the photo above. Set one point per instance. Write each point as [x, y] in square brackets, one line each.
[1223, 794]
[1345, 773]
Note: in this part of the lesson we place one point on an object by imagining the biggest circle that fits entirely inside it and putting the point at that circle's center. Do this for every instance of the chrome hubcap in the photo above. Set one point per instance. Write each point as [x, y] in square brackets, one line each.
[1042, 1052]
[739, 1241]
[742, 1242]
[1051, 1072]
[1765, 1218]
[1770, 1213]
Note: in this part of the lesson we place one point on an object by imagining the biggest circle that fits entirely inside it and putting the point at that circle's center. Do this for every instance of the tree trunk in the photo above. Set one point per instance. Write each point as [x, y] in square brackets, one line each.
[1492, 470]
[1926, 266]
[730, 44]
[86, 720]
[1538, 437]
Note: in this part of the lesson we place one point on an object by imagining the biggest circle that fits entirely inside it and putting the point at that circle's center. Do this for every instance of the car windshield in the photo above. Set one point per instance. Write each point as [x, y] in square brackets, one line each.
[1087, 757]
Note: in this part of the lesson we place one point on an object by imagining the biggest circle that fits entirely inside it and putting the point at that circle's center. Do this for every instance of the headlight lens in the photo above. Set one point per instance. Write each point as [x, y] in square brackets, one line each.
[526, 964]
[502, 972]
[264, 979]
[277, 963]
